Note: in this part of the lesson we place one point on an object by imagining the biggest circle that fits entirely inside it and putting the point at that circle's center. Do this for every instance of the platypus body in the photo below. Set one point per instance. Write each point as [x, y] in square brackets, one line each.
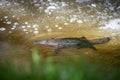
[78, 43]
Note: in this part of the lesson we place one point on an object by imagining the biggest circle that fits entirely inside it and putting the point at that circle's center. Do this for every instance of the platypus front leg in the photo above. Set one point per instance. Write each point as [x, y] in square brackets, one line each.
[57, 50]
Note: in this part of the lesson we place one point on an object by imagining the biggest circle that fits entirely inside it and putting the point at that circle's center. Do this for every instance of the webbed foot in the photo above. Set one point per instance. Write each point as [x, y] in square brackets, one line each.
[57, 51]
[93, 48]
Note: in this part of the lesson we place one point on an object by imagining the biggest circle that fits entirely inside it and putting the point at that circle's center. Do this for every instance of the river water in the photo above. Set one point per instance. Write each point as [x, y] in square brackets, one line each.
[23, 22]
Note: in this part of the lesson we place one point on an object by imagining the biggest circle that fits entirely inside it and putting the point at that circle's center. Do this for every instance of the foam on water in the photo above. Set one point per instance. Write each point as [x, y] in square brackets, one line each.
[113, 24]
[2, 29]
[82, 0]
[58, 15]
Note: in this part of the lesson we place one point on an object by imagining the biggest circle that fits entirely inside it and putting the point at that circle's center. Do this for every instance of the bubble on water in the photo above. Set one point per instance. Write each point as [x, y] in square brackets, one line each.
[46, 26]
[8, 22]
[40, 8]
[26, 23]
[73, 19]
[23, 26]
[53, 4]
[35, 25]
[35, 28]
[60, 28]
[63, 4]
[13, 16]
[111, 8]
[49, 30]
[22, 9]
[26, 32]
[46, 11]
[16, 4]
[18, 18]
[57, 17]
[2, 29]
[56, 25]
[28, 26]
[75, 16]
[24, 29]
[50, 9]
[10, 31]
[49, 13]
[79, 21]
[5, 17]
[93, 5]
[16, 23]
[36, 32]
[36, 5]
[66, 24]
[12, 28]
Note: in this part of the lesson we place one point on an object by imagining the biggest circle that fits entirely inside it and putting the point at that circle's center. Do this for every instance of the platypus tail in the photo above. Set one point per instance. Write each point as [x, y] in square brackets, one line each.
[100, 40]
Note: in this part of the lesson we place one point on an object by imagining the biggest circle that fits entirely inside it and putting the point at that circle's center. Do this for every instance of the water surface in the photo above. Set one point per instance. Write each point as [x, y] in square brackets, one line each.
[21, 23]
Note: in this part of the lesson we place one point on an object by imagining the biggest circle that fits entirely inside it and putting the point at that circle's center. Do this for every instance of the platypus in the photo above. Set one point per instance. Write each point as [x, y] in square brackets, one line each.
[78, 43]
